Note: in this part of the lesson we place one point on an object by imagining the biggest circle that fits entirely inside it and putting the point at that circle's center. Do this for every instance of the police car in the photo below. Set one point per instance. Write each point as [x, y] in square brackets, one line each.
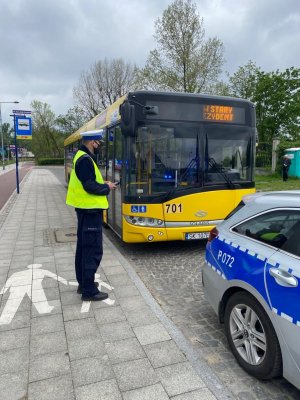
[251, 278]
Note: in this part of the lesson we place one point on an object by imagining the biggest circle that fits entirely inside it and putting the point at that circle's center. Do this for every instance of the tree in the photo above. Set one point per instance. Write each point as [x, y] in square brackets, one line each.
[183, 60]
[73, 120]
[103, 84]
[243, 82]
[46, 141]
[277, 99]
[276, 96]
[8, 133]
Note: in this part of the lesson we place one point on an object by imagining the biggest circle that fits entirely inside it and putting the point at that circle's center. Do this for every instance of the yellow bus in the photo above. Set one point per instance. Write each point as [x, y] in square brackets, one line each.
[183, 161]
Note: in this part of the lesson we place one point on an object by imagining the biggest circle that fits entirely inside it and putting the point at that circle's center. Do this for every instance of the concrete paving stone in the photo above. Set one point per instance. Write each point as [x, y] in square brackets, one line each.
[126, 291]
[164, 353]
[73, 311]
[45, 282]
[90, 370]
[13, 386]
[47, 324]
[153, 392]
[135, 374]
[51, 293]
[9, 304]
[135, 303]
[66, 288]
[62, 269]
[20, 320]
[70, 276]
[14, 339]
[102, 304]
[104, 390]
[119, 280]
[203, 394]
[4, 262]
[124, 350]
[81, 328]
[56, 304]
[48, 343]
[113, 270]
[18, 266]
[22, 252]
[116, 331]
[14, 360]
[43, 259]
[144, 316]
[109, 314]
[151, 333]
[70, 298]
[67, 260]
[59, 388]
[91, 346]
[179, 378]
[49, 366]
[109, 260]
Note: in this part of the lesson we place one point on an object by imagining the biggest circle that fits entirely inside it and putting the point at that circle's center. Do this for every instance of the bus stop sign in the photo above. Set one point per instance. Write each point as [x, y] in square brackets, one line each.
[23, 127]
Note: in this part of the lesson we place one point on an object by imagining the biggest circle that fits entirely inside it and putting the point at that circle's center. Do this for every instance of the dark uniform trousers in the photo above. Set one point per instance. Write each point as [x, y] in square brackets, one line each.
[89, 250]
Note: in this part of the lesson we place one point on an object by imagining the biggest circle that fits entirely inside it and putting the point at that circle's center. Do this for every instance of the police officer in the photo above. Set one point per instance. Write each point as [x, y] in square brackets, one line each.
[87, 193]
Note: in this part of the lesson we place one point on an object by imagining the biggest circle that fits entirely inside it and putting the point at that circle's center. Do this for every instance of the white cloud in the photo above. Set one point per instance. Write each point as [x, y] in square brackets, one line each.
[45, 45]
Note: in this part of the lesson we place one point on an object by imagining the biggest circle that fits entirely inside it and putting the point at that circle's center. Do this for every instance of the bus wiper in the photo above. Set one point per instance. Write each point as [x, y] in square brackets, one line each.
[213, 164]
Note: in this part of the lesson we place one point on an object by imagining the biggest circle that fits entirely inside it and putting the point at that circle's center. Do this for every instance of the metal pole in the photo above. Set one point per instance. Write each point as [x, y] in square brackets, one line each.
[2, 145]
[17, 160]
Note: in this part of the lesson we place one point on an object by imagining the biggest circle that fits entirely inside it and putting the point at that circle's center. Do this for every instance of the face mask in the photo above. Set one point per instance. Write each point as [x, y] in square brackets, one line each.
[97, 151]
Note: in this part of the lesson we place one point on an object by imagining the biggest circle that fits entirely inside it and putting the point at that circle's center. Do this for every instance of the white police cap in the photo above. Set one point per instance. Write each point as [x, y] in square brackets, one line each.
[93, 135]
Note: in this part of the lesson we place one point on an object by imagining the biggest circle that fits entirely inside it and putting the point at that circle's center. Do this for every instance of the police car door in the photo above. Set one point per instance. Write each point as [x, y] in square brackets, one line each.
[282, 277]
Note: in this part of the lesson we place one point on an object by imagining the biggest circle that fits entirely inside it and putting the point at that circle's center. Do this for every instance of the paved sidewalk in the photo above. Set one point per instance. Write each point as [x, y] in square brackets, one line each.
[54, 346]
[10, 167]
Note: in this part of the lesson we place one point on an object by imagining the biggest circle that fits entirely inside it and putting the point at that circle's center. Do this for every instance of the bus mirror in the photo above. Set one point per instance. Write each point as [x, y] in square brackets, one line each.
[127, 112]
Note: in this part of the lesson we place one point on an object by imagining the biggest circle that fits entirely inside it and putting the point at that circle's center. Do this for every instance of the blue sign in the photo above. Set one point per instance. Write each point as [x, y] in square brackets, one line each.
[23, 127]
[138, 209]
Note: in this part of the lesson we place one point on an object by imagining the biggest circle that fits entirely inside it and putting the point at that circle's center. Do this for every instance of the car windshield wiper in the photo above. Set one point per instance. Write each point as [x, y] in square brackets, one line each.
[213, 164]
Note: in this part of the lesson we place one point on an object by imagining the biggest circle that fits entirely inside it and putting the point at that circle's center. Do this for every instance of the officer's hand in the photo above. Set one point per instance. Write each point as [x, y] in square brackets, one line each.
[111, 185]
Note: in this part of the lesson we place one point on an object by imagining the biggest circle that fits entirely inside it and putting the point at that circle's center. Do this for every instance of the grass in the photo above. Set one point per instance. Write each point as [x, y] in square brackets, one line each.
[265, 183]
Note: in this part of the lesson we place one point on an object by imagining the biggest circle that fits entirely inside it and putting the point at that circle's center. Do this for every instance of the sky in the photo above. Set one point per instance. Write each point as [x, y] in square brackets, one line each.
[46, 44]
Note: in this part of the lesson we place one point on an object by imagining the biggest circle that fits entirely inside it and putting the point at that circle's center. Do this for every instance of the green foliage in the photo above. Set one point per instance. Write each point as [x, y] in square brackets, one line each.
[50, 161]
[46, 140]
[73, 120]
[183, 61]
[277, 99]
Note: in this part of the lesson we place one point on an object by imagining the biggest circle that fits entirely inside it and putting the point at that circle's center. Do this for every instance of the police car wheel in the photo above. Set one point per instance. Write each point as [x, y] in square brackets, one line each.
[251, 337]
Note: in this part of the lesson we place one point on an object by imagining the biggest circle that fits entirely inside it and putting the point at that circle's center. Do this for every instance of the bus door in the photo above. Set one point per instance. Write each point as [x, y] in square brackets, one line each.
[113, 173]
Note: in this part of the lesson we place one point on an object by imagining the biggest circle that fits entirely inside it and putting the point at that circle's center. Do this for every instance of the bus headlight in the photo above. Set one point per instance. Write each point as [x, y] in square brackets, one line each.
[144, 221]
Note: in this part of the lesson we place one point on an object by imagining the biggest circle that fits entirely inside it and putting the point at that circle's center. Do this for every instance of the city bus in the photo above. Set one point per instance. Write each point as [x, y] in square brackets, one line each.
[184, 161]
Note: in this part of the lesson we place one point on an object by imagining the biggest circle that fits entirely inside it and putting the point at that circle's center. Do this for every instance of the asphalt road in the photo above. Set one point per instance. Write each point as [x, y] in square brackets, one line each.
[172, 273]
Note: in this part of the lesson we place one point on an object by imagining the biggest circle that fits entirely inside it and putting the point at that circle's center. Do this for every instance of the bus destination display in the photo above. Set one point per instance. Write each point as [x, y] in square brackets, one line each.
[219, 113]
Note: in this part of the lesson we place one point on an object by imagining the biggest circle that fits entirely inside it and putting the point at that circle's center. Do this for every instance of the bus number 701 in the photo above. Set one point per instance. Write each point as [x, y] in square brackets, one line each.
[174, 208]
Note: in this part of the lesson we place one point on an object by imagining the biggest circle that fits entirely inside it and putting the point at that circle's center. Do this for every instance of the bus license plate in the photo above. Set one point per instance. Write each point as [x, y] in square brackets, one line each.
[196, 235]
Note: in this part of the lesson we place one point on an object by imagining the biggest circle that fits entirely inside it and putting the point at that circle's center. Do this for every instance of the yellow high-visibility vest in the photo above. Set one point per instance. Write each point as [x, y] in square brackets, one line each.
[77, 196]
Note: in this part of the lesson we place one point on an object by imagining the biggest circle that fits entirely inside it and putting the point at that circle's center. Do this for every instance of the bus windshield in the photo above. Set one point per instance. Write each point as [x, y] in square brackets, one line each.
[228, 151]
[176, 157]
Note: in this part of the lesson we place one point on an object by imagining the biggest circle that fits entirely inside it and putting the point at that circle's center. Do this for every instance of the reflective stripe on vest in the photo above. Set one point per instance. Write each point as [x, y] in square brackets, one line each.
[77, 196]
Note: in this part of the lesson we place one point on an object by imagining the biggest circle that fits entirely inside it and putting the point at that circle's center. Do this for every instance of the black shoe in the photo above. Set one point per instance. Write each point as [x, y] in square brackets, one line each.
[97, 297]
[79, 290]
